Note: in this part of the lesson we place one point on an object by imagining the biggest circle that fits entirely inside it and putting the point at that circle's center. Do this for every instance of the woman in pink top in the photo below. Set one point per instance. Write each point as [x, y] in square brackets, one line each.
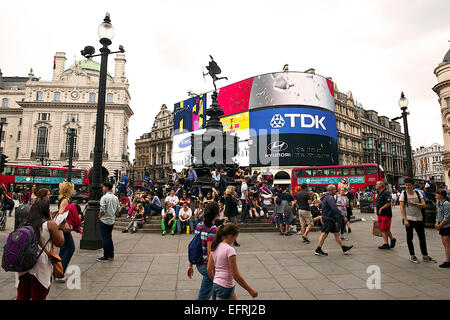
[222, 266]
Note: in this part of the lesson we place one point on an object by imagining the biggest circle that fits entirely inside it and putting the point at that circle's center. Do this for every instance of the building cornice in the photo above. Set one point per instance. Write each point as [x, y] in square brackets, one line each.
[11, 110]
[71, 105]
[437, 88]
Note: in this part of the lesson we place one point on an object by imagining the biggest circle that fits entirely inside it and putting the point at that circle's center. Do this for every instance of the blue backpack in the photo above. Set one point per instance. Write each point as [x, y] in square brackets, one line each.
[195, 249]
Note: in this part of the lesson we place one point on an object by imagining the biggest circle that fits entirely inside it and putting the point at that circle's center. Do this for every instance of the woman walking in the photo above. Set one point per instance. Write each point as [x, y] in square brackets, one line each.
[442, 223]
[222, 265]
[207, 231]
[3, 206]
[35, 283]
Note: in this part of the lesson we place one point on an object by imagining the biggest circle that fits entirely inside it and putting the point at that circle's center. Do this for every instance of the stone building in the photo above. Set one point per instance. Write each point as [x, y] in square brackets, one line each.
[154, 149]
[427, 162]
[38, 114]
[383, 142]
[442, 89]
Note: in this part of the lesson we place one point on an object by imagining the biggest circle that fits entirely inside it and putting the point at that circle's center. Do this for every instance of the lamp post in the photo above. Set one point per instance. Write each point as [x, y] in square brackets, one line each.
[71, 134]
[403, 104]
[91, 239]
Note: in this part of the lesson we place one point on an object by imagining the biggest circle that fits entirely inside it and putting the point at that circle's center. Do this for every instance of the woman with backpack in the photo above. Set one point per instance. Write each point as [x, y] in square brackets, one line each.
[222, 265]
[207, 231]
[411, 203]
[35, 283]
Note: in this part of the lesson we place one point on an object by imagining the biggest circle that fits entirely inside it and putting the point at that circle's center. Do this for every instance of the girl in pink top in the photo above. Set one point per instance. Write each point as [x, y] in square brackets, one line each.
[222, 266]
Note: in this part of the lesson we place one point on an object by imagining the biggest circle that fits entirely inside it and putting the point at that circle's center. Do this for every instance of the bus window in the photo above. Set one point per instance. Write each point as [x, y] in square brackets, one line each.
[319, 173]
[298, 173]
[44, 172]
[80, 174]
[310, 172]
[9, 171]
[83, 174]
[371, 170]
[343, 171]
[59, 173]
[34, 172]
[357, 171]
[328, 172]
[23, 171]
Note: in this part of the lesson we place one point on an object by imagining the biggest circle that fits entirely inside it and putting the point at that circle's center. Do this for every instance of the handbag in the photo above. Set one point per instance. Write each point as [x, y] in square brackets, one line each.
[55, 260]
[376, 230]
[8, 204]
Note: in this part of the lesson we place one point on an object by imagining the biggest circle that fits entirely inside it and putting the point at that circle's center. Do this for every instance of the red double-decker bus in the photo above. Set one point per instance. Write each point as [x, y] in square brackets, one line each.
[21, 177]
[359, 176]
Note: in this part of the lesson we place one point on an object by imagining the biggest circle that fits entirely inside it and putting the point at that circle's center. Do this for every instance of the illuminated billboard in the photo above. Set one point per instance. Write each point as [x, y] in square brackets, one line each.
[282, 119]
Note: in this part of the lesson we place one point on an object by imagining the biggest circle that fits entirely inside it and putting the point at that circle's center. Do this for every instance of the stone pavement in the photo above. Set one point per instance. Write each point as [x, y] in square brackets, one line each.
[149, 266]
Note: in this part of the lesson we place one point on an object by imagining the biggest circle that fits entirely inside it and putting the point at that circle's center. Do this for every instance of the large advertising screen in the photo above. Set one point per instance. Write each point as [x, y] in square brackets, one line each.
[282, 119]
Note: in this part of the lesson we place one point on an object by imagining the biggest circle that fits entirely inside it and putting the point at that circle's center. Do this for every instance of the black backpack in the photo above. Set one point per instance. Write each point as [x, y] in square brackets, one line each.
[418, 197]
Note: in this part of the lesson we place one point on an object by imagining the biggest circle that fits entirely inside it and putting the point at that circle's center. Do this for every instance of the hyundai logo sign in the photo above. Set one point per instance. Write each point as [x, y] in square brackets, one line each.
[277, 146]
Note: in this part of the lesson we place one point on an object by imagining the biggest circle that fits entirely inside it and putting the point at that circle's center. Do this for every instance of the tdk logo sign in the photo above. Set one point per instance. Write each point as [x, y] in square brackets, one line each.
[295, 119]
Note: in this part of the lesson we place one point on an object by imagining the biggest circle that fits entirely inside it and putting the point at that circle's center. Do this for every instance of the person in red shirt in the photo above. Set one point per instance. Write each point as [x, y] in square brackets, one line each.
[124, 204]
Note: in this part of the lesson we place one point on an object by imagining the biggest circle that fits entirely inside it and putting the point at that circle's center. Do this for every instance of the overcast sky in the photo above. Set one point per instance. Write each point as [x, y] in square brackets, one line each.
[375, 49]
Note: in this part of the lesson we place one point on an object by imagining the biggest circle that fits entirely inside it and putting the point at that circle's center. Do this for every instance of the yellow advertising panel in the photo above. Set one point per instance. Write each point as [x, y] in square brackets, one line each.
[235, 122]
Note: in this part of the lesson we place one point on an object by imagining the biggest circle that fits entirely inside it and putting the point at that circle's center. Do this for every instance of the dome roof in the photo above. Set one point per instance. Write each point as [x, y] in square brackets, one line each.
[447, 57]
[89, 65]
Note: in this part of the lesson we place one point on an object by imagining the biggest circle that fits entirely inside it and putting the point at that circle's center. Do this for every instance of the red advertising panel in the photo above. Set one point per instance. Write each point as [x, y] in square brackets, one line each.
[235, 97]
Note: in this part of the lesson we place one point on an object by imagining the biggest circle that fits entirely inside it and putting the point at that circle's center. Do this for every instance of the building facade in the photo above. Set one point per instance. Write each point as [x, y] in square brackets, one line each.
[442, 89]
[154, 149]
[383, 143]
[38, 114]
[427, 162]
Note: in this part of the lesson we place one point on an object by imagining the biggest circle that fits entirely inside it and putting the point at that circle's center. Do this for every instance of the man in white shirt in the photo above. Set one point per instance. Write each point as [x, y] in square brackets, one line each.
[185, 218]
[173, 200]
[244, 199]
[109, 207]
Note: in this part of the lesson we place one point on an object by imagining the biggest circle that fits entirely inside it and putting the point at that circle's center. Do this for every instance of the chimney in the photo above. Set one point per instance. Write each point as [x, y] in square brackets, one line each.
[311, 70]
[59, 64]
[119, 72]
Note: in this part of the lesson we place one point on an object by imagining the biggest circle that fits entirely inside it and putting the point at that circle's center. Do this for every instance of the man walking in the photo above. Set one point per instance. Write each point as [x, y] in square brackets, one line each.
[329, 217]
[303, 200]
[384, 212]
[109, 206]
[123, 184]
[244, 199]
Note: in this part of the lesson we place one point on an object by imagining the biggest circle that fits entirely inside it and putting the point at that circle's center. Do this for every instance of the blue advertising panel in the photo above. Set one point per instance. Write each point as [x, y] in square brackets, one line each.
[22, 179]
[296, 120]
[189, 115]
[330, 180]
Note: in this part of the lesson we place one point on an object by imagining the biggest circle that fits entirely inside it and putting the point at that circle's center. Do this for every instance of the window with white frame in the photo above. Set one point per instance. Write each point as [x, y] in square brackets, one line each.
[39, 95]
[110, 98]
[41, 143]
[92, 97]
[73, 116]
[44, 116]
[57, 96]
[4, 102]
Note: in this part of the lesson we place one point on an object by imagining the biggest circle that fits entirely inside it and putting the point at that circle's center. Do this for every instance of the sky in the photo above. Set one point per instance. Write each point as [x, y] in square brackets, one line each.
[376, 49]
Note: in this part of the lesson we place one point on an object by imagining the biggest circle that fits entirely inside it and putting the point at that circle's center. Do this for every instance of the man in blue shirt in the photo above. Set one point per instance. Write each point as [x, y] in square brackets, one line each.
[123, 184]
[192, 177]
[329, 217]
[420, 191]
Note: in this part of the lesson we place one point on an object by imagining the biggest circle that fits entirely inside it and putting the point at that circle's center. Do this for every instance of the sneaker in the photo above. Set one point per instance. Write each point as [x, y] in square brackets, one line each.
[172, 233]
[344, 239]
[299, 233]
[102, 259]
[414, 259]
[349, 230]
[346, 249]
[319, 252]
[445, 265]
[111, 259]
[281, 233]
[429, 259]
[393, 241]
[164, 233]
[305, 240]
[288, 234]
[384, 246]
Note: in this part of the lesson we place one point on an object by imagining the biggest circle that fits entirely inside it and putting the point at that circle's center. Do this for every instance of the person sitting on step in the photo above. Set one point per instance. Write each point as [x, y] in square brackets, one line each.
[136, 220]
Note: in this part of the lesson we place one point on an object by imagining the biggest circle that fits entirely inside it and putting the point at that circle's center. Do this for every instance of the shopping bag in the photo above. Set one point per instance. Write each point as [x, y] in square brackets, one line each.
[376, 230]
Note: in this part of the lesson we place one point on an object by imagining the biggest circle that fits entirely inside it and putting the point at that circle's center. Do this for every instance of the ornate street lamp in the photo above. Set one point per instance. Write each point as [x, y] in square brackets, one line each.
[71, 134]
[403, 104]
[91, 239]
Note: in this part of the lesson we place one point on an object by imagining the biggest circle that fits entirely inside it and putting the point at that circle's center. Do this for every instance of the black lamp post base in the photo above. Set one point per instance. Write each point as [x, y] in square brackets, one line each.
[92, 239]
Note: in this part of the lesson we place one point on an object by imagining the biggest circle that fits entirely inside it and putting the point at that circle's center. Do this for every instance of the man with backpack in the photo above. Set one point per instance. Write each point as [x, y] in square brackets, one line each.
[411, 205]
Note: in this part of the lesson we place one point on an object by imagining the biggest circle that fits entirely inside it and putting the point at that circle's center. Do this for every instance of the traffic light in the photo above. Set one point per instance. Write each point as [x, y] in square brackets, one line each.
[3, 161]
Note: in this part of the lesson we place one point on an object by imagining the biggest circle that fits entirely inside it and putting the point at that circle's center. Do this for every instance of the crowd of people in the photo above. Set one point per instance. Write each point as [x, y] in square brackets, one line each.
[182, 206]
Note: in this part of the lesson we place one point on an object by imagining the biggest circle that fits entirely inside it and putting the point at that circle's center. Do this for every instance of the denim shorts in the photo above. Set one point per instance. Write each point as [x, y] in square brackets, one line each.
[223, 293]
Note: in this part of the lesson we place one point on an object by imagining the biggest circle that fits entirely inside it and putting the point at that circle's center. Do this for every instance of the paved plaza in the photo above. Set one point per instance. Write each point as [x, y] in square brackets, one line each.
[149, 266]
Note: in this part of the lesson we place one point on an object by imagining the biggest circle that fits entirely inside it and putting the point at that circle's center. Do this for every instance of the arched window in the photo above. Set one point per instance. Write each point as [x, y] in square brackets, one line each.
[109, 97]
[5, 102]
[39, 95]
[41, 143]
[57, 96]
[282, 175]
[92, 97]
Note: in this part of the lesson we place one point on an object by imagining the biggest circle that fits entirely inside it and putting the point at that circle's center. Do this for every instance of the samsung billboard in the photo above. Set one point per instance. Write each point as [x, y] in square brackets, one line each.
[282, 119]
